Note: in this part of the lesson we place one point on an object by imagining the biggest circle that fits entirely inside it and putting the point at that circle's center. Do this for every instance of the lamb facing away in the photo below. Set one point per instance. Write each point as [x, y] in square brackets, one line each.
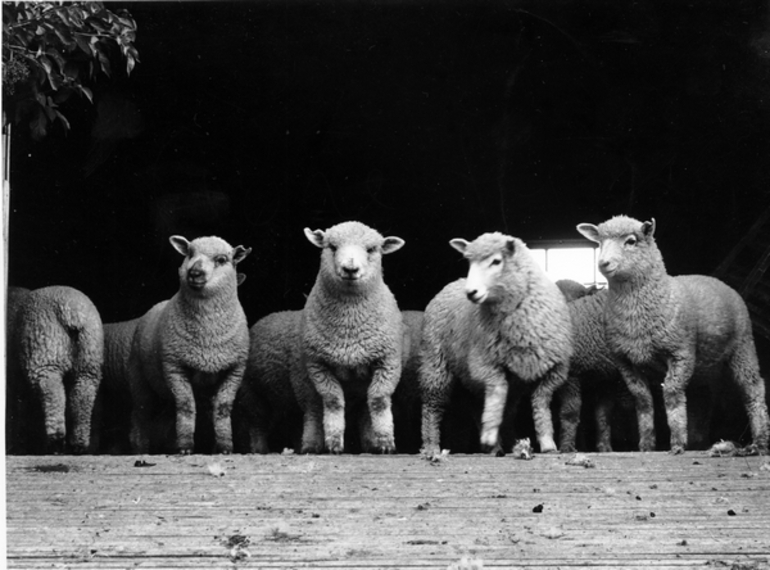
[199, 339]
[506, 322]
[113, 400]
[592, 371]
[685, 326]
[55, 354]
[350, 336]
[267, 414]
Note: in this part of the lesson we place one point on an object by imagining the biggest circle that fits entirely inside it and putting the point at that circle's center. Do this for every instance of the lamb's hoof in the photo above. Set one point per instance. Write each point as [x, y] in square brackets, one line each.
[493, 450]
[55, 446]
[677, 450]
[335, 445]
[184, 451]
[79, 449]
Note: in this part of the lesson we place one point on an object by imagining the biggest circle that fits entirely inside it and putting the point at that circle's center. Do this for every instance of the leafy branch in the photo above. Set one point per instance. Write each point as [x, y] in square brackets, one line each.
[51, 50]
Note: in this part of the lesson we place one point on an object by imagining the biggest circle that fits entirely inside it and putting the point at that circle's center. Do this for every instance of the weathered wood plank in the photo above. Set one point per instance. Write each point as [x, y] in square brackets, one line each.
[629, 511]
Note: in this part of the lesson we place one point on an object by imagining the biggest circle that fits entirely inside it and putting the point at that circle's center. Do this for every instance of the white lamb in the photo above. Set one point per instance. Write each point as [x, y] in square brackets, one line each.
[506, 322]
[685, 326]
[197, 339]
[351, 337]
[55, 358]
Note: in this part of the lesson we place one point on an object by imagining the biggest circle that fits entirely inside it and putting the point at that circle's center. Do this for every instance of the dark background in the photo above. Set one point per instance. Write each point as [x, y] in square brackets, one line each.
[425, 120]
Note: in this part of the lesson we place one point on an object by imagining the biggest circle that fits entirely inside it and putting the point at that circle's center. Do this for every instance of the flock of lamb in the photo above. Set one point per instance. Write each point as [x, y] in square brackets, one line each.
[352, 372]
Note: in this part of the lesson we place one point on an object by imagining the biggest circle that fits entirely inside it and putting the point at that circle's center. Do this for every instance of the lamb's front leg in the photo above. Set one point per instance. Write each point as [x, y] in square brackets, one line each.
[640, 390]
[541, 405]
[333, 398]
[223, 406]
[495, 386]
[379, 398]
[680, 370]
[184, 403]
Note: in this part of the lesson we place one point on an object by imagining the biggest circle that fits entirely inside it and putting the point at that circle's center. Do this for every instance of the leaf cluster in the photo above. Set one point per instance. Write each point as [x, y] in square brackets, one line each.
[52, 50]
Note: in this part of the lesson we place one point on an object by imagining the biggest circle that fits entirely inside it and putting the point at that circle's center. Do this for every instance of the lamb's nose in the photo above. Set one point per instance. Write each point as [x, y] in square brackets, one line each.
[350, 270]
[472, 294]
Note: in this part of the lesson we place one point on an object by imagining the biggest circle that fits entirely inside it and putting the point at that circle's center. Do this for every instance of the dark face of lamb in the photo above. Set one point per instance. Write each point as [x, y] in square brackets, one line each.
[627, 248]
[352, 253]
[209, 263]
[488, 256]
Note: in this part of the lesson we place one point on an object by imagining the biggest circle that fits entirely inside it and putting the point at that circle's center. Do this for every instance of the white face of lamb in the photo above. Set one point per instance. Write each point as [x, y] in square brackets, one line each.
[482, 275]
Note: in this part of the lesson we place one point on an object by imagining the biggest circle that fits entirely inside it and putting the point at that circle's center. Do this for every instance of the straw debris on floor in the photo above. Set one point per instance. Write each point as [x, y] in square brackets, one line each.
[629, 510]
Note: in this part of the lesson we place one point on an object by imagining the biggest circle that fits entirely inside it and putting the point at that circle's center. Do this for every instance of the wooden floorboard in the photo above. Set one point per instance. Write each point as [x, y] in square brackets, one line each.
[631, 510]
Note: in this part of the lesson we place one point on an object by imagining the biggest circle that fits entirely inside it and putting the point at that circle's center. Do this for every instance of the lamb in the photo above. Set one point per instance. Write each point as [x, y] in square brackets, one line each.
[55, 355]
[266, 407]
[572, 290]
[506, 322]
[112, 403]
[197, 340]
[350, 337]
[683, 326]
[592, 370]
[268, 414]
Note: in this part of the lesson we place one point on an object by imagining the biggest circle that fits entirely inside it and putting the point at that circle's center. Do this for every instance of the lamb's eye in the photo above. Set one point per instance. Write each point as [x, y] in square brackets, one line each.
[332, 247]
[371, 250]
[220, 259]
[496, 261]
[630, 241]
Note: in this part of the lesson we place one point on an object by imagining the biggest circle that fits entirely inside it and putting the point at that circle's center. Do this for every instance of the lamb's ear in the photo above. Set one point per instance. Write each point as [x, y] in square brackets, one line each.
[589, 231]
[240, 253]
[391, 244]
[510, 247]
[648, 228]
[315, 237]
[459, 244]
[240, 278]
[180, 244]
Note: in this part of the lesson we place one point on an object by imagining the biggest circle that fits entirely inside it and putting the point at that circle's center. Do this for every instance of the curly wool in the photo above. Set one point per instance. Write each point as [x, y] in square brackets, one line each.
[686, 326]
[56, 337]
[523, 331]
[592, 368]
[199, 338]
[351, 335]
[266, 408]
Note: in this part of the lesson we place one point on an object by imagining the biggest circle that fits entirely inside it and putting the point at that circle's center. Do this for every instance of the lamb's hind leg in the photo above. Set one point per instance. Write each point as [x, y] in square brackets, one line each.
[744, 369]
[49, 386]
[570, 404]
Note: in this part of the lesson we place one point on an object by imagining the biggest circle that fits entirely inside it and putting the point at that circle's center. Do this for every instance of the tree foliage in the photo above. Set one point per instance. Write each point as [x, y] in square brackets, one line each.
[52, 50]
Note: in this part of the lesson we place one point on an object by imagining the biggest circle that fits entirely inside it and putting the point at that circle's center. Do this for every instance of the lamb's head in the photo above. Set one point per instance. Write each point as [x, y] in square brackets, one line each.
[628, 251]
[493, 267]
[352, 254]
[209, 264]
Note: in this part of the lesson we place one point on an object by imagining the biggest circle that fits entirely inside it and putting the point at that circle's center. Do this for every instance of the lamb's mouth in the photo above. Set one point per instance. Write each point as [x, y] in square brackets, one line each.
[196, 283]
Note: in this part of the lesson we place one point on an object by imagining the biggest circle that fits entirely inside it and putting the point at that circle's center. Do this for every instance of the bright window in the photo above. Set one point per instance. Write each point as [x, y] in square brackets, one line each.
[569, 260]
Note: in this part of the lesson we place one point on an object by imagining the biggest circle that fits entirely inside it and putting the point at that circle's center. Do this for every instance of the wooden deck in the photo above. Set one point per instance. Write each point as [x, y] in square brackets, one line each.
[631, 510]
